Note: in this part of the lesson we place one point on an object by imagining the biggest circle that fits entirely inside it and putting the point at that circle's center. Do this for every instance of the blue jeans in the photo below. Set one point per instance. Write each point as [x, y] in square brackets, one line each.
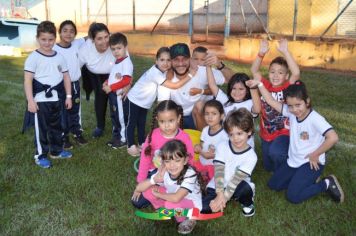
[188, 122]
[275, 152]
[136, 118]
[299, 182]
[243, 194]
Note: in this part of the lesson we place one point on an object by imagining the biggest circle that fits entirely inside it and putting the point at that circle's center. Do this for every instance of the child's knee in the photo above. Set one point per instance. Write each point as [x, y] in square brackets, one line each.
[293, 196]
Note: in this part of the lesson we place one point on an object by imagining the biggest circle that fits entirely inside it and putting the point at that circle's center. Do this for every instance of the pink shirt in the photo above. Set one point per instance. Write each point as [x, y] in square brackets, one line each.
[158, 140]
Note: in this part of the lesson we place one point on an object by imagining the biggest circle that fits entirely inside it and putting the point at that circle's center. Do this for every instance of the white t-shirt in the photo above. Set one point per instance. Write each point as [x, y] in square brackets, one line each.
[190, 183]
[305, 137]
[144, 92]
[97, 63]
[245, 161]
[71, 56]
[120, 69]
[182, 97]
[47, 70]
[230, 107]
[211, 141]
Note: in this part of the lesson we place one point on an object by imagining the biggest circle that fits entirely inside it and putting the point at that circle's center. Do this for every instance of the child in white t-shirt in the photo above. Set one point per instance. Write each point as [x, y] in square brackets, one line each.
[310, 137]
[211, 136]
[233, 165]
[182, 185]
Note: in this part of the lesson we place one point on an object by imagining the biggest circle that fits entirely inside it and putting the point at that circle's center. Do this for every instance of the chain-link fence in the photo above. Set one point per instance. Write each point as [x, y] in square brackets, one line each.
[315, 18]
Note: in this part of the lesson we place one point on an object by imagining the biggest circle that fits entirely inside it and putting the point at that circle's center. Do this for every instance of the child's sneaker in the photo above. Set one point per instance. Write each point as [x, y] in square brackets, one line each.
[43, 162]
[62, 155]
[248, 211]
[80, 140]
[133, 151]
[67, 145]
[97, 132]
[118, 144]
[334, 190]
[187, 226]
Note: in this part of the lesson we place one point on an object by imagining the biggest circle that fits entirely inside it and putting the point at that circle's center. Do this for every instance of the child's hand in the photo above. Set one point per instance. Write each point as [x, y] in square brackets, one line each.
[313, 161]
[209, 155]
[32, 106]
[264, 47]
[219, 203]
[283, 46]
[252, 84]
[125, 91]
[212, 60]
[195, 91]
[197, 148]
[135, 196]
[158, 178]
[106, 88]
[156, 192]
[68, 103]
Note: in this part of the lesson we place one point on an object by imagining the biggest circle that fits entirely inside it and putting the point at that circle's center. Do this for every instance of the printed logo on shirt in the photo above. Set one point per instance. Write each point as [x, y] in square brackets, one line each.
[304, 135]
[118, 76]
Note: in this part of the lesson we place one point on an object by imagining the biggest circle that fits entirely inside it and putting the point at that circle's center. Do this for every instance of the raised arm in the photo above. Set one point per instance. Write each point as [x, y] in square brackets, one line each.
[211, 59]
[292, 64]
[256, 101]
[266, 94]
[211, 81]
[255, 68]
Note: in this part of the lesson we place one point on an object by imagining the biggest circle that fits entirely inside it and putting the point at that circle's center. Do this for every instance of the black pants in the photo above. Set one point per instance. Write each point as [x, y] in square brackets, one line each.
[101, 98]
[48, 129]
[71, 118]
[243, 194]
[118, 116]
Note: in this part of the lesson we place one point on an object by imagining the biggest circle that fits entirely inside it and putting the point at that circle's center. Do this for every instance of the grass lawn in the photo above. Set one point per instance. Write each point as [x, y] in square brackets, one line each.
[90, 193]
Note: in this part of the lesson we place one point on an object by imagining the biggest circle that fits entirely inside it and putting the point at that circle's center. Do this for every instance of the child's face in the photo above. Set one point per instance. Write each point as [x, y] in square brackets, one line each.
[277, 74]
[239, 138]
[46, 41]
[238, 92]
[212, 116]
[164, 61]
[175, 166]
[198, 58]
[67, 34]
[298, 107]
[118, 50]
[168, 123]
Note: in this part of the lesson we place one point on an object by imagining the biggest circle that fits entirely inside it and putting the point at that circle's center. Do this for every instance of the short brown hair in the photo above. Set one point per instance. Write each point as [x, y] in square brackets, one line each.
[46, 27]
[241, 119]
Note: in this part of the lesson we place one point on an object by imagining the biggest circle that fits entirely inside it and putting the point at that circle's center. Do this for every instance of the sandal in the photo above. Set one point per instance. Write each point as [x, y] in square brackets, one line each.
[187, 226]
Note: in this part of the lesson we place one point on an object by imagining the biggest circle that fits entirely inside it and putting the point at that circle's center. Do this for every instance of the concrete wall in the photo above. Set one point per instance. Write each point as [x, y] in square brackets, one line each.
[337, 56]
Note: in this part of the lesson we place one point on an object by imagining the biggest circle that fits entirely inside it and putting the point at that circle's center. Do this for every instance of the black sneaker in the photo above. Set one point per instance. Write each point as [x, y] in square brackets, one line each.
[67, 145]
[79, 139]
[97, 133]
[118, 144]
[248, 211]
[334, 190]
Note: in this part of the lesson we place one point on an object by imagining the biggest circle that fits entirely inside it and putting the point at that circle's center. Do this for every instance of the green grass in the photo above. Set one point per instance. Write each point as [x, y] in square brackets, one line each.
[90, 194]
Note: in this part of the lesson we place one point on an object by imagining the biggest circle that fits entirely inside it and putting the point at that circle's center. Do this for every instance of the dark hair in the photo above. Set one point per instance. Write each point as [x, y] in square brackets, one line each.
[240, 118]
[46, 27]
[118, 38]
[95, 28]
[166, 105]
[280, 61]
[162, 50]
[216, 104]
[297, 90]
[67, 22]
[237, 78]
[176, 148]
[200, 49]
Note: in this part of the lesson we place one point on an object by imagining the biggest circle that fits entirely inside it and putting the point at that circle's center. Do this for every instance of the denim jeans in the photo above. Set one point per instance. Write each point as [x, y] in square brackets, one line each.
[275, 152]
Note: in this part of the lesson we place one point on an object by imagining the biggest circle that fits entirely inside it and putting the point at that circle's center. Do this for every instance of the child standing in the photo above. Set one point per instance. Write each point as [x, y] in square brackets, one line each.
[68, 47]
[142, 96]
[238, 96]
[233, 164]
[310, 137]
[211, 136]
[45, 72]
[120, 76]
[274, 130]
[183, 188]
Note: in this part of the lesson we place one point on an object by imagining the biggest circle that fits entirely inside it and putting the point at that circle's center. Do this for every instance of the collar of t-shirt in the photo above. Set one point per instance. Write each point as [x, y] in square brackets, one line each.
[120, 60]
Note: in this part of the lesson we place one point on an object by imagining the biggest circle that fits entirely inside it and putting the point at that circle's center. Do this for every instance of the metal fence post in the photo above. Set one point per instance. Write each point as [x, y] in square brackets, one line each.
[191, 9]
[295, 20]
[227, 18]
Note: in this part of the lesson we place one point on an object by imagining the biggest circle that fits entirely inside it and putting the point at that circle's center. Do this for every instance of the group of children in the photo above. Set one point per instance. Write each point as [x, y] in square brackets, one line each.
[294, 137]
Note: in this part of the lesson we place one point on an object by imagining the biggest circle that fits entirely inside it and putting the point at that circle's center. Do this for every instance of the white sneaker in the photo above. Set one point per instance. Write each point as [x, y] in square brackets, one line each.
[187, 226]
[133, 151]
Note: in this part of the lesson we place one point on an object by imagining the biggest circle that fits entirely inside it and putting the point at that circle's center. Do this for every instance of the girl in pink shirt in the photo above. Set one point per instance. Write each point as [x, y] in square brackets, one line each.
[166, 123]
